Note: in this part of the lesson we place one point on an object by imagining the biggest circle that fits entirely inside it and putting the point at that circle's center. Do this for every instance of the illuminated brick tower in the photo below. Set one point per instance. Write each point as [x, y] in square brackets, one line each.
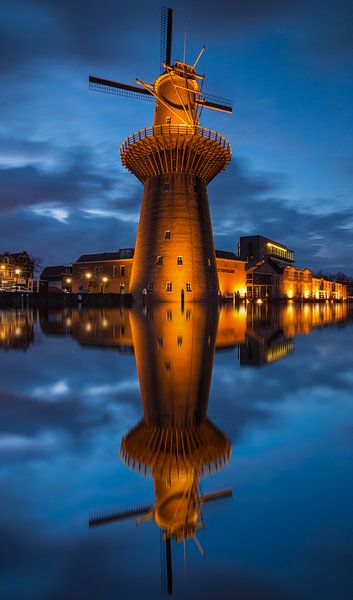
[174, 159]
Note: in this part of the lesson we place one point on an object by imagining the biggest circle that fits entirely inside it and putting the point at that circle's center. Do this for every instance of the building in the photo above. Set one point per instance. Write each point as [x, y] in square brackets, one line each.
[271, 279]
[175, 159]
[105, 272]
[58, 276]
[254, 248]
[231, 274]
[110, 272]
[16, 269]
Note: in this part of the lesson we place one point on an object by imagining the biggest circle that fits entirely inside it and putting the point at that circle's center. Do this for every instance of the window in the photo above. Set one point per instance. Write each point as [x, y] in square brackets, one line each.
[168, 286]
[209, 262]
[179, 340]
[166, 186]
[179, 260]
[82, 272]
[114, 272]
[167, 235]
[188, 286]
[167, 367]
[168, 119]
[150, 285]
[122, 271]
[169, 315]
[159, 260]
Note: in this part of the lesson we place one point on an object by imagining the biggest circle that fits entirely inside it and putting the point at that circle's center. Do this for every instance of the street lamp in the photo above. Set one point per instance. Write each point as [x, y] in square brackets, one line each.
[104, 280]
[17, 272]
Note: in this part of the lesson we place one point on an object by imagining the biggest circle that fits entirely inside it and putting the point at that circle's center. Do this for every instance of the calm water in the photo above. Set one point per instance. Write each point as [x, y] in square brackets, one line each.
[105, 410]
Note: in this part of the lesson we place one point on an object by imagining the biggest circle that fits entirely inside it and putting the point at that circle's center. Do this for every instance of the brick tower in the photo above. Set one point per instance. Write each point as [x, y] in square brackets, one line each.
[174, 159]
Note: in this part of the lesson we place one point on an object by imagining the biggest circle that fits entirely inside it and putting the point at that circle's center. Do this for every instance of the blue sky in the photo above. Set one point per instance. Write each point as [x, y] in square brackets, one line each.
[287, 67]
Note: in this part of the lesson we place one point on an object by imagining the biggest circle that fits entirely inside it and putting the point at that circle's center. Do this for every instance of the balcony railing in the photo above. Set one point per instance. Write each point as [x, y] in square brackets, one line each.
[168, 130]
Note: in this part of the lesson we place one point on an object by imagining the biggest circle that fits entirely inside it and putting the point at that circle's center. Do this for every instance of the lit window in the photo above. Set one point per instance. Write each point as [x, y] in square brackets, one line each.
[180, 260]
[159, 260]
[188, 286]
[209, 262]
[168, 286]
[122, 271]
[167, 235]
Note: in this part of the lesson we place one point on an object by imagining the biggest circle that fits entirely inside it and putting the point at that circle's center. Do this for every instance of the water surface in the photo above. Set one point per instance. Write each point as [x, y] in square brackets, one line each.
[108, 410]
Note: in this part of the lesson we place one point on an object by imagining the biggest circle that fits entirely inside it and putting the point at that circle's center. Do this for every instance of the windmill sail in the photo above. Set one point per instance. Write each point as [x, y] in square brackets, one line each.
[97, 84]
[103, 518]
[166, 36]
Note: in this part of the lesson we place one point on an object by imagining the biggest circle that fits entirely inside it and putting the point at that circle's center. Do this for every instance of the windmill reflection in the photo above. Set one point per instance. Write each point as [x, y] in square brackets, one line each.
[175, 442]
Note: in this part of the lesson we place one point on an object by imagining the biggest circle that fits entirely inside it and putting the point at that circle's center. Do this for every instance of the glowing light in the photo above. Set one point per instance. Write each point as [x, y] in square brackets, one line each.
[17, 271]
[88, 275]
[278, 247]
[259, 301]
[68, 280]
[105, 279]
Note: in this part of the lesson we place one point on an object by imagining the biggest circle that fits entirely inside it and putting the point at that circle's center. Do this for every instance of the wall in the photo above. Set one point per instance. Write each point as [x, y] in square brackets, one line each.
[109, 269]
[231, 276]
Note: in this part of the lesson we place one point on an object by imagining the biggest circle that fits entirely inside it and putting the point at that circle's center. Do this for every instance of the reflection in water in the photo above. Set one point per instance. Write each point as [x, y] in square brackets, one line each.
[16, 329]
[263, 333]
[175, 442]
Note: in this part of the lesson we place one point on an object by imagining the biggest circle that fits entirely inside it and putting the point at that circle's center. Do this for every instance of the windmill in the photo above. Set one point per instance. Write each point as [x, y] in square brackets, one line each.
[148, 512]
[174, 159]
[175, 443]
[192, 100]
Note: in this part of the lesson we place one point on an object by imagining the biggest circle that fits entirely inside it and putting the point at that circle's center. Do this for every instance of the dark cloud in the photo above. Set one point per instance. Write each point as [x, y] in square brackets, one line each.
[244, 203]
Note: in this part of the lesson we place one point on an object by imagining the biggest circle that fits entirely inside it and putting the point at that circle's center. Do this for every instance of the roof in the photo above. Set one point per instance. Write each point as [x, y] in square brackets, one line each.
[277, 266]
[103, 256]
[54, 271]
[270, 261]
[227, 255]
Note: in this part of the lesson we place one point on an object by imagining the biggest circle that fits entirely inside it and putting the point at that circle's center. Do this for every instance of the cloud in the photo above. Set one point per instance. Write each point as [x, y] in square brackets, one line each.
[60, 214]
[52, 391]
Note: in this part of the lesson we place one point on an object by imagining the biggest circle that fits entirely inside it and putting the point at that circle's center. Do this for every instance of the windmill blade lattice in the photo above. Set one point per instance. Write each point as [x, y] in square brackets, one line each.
[106, 86]
[166, 36]
[103, 518]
